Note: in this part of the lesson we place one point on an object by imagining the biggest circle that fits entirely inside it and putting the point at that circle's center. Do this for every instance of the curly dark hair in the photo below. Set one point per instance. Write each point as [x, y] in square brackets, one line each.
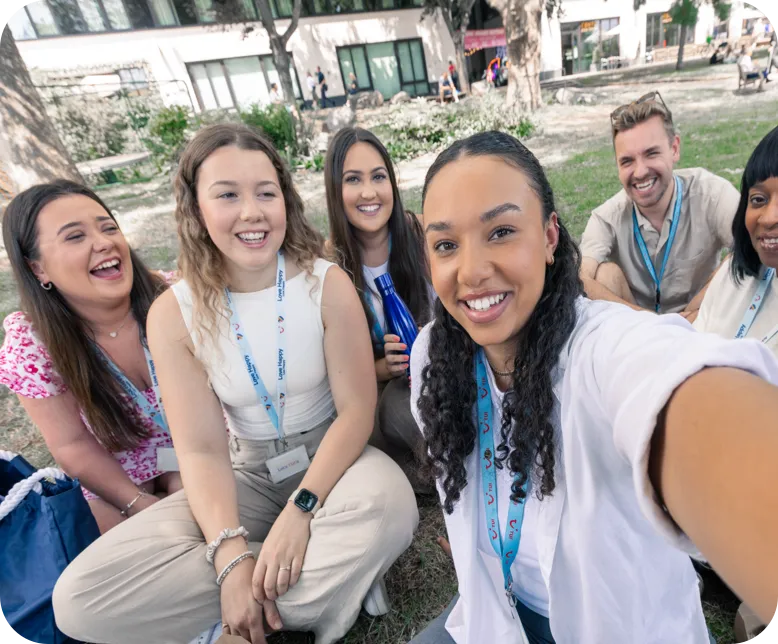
[448, 389]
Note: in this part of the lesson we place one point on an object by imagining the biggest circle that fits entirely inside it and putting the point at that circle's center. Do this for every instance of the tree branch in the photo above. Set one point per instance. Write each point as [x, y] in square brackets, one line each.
[292, 25]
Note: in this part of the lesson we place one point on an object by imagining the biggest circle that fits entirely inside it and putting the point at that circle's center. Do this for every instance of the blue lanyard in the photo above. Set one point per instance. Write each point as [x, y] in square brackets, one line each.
[670, 239]
[137, 396]
[756, 304]
[507, 548]
[276, 412]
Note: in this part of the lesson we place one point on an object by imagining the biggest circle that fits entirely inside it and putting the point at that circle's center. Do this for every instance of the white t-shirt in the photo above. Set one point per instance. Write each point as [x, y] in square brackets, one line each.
[528, 582]
[615, 564]
[726, 302]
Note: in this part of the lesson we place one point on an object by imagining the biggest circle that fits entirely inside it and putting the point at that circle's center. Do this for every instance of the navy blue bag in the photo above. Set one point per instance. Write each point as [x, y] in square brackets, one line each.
[45, 522]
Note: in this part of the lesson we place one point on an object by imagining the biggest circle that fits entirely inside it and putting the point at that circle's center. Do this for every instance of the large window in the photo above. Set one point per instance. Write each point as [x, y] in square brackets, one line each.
[66, 17]
[388, 67]
[237, 82]
[589, 42]
[661, 32]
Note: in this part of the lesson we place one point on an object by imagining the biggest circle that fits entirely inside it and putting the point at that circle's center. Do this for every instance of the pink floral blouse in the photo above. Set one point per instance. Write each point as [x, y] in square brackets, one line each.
[26, 369]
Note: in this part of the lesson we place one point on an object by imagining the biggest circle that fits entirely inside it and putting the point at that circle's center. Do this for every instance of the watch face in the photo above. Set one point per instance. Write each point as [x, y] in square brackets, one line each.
[306, 500]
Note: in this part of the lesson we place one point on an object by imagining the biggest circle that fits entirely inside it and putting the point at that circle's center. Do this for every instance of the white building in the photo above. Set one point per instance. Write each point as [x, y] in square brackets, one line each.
[176, 45]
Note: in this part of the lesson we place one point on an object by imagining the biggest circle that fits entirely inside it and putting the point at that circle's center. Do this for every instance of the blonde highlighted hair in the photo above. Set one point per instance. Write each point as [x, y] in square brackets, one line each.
[200, 262]
[636, 113]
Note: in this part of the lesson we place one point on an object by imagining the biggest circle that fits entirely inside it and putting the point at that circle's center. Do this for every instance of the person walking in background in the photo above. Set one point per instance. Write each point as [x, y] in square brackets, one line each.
[76, 355]
[371, 234]
[321, 83]
[312, 85]
[656, 244]
[353, 86]
[275, 97]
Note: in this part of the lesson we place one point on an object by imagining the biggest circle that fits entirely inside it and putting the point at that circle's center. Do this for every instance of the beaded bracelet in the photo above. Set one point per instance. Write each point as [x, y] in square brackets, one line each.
[228, 568]
[227, 533]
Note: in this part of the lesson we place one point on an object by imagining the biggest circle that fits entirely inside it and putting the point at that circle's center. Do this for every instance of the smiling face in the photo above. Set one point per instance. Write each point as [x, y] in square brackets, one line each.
[645, 157]
[243, 207]
[82, 252]
[489, 247]
[762, 220]
[368, 198]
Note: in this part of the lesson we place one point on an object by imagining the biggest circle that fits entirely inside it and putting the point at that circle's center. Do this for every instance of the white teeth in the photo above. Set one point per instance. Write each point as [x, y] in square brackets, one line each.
[107, 264]
[372, 208]
[645, 185]
[771, 243]
[485, 303]
[251, 237]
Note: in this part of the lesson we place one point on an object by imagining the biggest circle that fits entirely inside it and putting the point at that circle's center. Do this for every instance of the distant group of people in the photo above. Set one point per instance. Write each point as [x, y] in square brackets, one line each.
[317, 86]
[250, 433]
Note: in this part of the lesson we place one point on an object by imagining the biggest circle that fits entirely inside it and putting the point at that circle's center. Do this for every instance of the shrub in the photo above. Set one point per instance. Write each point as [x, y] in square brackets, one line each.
[276, 123]
[167, 134]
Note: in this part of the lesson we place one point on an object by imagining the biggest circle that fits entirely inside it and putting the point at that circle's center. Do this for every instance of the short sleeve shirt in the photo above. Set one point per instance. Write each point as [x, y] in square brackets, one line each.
[704, 228]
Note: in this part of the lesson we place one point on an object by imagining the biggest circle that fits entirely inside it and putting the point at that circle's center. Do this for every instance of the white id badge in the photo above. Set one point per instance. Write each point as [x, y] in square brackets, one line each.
[288, 464]
[166, 459]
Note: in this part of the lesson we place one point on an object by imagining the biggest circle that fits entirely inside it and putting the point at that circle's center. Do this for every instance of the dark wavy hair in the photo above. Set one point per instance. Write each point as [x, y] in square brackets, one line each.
[66, 336]
[407, 258]
[762, 165]
[448, 390]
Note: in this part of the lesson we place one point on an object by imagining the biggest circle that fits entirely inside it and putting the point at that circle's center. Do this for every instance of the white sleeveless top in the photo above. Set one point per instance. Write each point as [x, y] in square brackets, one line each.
[308, 397]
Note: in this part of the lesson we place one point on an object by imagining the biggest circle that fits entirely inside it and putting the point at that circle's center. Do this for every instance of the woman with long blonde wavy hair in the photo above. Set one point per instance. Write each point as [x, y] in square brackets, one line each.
[263, 330]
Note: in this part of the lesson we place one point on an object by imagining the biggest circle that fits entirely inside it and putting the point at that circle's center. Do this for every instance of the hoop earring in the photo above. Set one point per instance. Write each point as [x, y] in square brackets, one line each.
[46, 287]
[551, 263]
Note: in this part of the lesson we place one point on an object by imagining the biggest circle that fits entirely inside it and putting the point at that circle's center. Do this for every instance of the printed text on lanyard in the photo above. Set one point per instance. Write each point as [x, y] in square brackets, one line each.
[508, 547]
[657, 279]
[274, 411]
[750, 315]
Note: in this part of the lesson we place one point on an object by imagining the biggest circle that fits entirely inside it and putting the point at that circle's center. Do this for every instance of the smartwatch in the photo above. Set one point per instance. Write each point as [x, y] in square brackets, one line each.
[306, 500]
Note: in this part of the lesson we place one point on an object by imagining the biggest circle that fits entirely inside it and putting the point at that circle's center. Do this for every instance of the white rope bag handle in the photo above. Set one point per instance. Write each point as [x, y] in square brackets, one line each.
[32, 483]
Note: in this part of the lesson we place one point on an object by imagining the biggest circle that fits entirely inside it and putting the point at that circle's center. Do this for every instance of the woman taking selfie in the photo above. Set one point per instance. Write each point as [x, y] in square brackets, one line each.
[579, 447]
[76, 355]
[372, 234]
[293, 522]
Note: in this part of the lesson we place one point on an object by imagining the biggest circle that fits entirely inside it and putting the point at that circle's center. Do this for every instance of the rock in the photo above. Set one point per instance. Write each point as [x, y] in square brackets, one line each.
[400, 97]
[586, 99]
[339, 118]
[370, 99]
[564, 96]
[321, 142]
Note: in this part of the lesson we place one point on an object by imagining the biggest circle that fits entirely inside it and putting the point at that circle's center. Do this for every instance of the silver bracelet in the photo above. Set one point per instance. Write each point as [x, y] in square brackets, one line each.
[227, 533]
[128, 507]
[228, 568]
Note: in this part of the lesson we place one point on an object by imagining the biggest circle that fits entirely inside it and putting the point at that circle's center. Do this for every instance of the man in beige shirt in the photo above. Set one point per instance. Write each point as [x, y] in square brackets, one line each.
[656, 244]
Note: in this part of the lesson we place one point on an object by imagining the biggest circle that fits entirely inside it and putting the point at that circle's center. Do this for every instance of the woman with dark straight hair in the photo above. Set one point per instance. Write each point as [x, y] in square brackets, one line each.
[75, 354]
[742, 299]
[372, 234]
[579, 447]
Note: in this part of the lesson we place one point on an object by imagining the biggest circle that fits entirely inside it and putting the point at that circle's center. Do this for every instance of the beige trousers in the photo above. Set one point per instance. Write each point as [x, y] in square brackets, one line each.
[147, 579]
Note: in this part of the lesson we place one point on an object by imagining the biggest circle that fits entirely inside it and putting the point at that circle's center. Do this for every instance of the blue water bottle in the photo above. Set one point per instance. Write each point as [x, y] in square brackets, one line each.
[399, 320]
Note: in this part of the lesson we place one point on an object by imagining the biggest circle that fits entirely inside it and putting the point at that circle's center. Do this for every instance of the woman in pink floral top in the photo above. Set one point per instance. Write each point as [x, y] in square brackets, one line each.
[75, 355]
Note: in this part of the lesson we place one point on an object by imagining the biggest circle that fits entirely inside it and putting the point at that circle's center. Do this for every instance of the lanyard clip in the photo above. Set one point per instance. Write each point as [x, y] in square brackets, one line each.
[657, 305]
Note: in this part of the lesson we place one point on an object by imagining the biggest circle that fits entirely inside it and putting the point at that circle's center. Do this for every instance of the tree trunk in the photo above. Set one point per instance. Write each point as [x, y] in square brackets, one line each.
[278, 44]
[459, 48]
[522, 19]
[31, 151]
[679, 64]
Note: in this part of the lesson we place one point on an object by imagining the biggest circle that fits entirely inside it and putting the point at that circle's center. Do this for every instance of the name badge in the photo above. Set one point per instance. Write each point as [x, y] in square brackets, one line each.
[288, 464]
[166, 459]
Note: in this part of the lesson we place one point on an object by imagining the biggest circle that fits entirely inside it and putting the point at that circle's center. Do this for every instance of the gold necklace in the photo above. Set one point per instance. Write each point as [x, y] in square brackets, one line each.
[504, 374]
[114, 333]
